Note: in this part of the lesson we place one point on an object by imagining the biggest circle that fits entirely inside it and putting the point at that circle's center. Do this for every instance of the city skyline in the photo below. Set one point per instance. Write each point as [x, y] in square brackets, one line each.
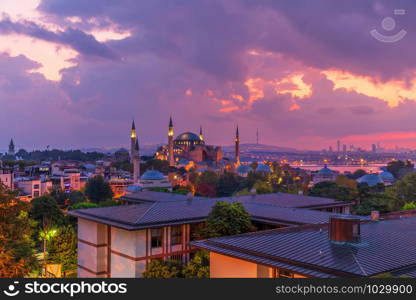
[78, 73]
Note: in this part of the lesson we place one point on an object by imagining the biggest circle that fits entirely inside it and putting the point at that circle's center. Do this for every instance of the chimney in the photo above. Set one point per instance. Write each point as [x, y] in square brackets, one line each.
[344, 229]
[375, 215]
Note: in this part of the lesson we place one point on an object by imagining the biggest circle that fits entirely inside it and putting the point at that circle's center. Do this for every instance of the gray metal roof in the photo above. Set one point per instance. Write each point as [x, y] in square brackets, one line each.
[155, 214]
[385, 246]
[279, 199]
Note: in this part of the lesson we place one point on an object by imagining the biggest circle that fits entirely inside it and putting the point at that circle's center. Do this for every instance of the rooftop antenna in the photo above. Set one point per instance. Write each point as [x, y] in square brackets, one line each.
[257, 136]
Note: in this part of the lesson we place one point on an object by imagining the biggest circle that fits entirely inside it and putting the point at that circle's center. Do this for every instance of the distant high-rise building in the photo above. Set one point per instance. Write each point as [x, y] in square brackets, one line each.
[11, 148]
[339, 146]
[374, 148]
[344, 149]
[330, 149]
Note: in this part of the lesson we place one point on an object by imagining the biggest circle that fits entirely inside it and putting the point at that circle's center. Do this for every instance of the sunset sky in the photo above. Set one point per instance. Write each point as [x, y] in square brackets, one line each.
[73, 73]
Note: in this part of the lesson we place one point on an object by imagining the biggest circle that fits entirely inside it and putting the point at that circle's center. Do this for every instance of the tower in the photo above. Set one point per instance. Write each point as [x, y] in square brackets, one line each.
[136, 162]
[201, 136]
[133, 139]
[134, 153]
[237, 147]
[170, 144]
[11, 148]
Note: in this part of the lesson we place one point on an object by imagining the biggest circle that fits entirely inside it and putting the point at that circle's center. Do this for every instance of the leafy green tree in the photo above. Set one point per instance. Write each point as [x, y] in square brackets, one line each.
[16, 245]
[329, 189]
[227, 218]
[208, 177]
[227, 184]
[59, 195]
[83, 205]
[402, 192]
[206, 190]
[399, 168]
[373, 201]
[263, 187]
[358, 173]
[409, 206]
[76, 197]
[46, 207]
[98, 190]
[164, 269]
[198, 266]
[63, 248]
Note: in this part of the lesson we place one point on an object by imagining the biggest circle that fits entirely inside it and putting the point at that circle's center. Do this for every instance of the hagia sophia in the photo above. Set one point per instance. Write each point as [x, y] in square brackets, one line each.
[187, 150]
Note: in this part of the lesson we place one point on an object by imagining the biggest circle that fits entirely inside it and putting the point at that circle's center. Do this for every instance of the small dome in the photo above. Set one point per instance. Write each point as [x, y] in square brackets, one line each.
[263, 168]
[133, 188]
[242, 169]
[387, 176]
[152, 175]
[370, 179]
[325, 171]
[188, 136]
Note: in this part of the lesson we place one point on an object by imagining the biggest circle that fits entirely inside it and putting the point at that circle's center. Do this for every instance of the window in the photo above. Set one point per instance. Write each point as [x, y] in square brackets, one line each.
[36, 194]
[36, 186]
[157, 237]
[284, 274]
[175, 235]
[195, 230]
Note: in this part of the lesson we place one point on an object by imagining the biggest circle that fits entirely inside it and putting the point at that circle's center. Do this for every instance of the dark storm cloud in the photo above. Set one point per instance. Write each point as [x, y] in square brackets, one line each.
[212, 34]
[83, 43]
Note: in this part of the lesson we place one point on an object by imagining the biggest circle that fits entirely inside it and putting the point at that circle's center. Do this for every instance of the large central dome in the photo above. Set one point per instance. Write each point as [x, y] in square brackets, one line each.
[188, 138]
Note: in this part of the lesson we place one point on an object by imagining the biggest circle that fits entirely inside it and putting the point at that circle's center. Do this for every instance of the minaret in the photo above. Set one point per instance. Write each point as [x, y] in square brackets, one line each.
[201, 136]
[237, 147]
[133, 139]
[11, 148]
[170, 144]
[136, 162]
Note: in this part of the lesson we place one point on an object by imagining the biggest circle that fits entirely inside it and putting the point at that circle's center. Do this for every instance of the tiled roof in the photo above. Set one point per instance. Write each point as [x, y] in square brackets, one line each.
[155, 214]
[385, 246]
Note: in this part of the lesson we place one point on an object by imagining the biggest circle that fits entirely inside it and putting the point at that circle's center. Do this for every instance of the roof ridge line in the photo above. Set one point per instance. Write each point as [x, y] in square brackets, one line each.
[145, 213]
[358, 263]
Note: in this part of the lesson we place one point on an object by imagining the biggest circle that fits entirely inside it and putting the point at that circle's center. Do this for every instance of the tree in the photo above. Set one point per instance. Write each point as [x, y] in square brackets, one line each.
[83, 205]
[63, 248]
[329, 189]
[98, 190]
[399, 168]
[208, 177]
[206, 190]
[164, 269]
[76, 197]
[409, 206]
[198, 266]
[402, 192]
[344, 181]
[46, 207]
[227, 184]
[16, 246]
[262, 187]
[358, 173]
[227, 218]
